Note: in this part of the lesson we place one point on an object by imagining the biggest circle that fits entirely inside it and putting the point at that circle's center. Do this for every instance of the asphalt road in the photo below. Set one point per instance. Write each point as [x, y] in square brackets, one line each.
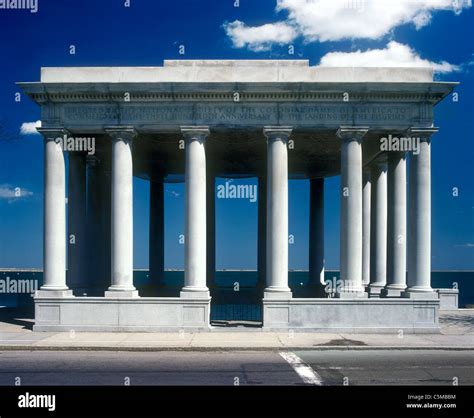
[335, 367]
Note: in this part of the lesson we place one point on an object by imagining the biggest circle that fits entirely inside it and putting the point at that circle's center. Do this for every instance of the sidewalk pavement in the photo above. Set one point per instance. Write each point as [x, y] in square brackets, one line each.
[457, 333]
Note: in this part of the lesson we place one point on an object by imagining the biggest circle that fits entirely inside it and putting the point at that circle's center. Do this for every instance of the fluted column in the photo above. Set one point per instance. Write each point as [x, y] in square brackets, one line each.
[351, 212]
[366, 192]
[122, 213]
[378, 228]
[195, 240]
[419, 243]
[396, 232]
[316, 236]
[54, 221]
[277, 212]
[156, 248]
[76, 219]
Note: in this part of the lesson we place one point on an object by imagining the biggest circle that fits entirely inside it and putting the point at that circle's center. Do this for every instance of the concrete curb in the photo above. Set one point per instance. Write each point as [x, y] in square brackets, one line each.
[235, 348]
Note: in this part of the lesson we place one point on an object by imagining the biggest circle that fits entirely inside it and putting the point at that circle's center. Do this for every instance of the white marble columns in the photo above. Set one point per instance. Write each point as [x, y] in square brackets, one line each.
[351, 211]
[76, 220]
[195, 238]
[378, 227]
[316, 235]
[396, 230]
[54, 236]
[122, 213]
[277, 213]
[419, 243]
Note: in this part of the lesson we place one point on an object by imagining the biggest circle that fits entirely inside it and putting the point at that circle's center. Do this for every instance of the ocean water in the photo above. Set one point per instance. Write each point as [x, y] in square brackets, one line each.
[244, 304]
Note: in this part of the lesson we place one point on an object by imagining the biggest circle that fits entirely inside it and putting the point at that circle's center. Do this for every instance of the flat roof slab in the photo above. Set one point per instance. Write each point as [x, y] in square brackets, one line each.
[217, 71]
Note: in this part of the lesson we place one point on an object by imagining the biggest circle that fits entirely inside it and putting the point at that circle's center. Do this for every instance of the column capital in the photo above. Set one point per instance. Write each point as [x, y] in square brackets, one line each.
[199, 133]
[121, 133]
[352, 133]
[422, 132]
[277, 132]
[51, 134]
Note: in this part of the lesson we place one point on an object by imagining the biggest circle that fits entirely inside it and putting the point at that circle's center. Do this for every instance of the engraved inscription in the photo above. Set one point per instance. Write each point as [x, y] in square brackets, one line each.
[344, 113]
[243, 114]
[91, 113]
[157, 113]
[235, 113]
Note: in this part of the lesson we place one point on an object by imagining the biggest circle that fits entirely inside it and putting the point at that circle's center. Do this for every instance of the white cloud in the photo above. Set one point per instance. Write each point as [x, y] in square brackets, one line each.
[29, 128]
[259, 38]
[11, 194]
[466, 245]
[335, 20]
[394, 55]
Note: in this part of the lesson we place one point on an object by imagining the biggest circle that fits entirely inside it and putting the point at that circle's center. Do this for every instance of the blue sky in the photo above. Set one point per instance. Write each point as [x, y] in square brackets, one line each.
[106, 33]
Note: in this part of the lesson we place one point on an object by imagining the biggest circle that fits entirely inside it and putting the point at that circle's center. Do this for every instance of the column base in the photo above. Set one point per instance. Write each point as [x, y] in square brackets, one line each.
[44, 292]
[375, 290]
[425, 295]
[118, 293]
[392, 292]
[194, 293]
[279, 293]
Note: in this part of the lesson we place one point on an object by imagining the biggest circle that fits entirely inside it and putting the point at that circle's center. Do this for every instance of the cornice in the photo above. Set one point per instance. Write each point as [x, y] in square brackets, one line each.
[228, 97]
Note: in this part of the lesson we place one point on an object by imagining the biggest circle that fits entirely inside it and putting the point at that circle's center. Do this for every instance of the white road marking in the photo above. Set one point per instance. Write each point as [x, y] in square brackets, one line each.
[307, 374]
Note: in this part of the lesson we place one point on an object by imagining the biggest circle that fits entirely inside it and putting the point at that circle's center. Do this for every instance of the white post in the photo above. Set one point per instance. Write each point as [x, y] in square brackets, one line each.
[76, 219]
[351, 212]
[195, 230]
[396, 233]
[122, 213]
[378, 228]
[277, 213]
[366, 192]
[54, 235]
[419, 244]
[316, 236]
